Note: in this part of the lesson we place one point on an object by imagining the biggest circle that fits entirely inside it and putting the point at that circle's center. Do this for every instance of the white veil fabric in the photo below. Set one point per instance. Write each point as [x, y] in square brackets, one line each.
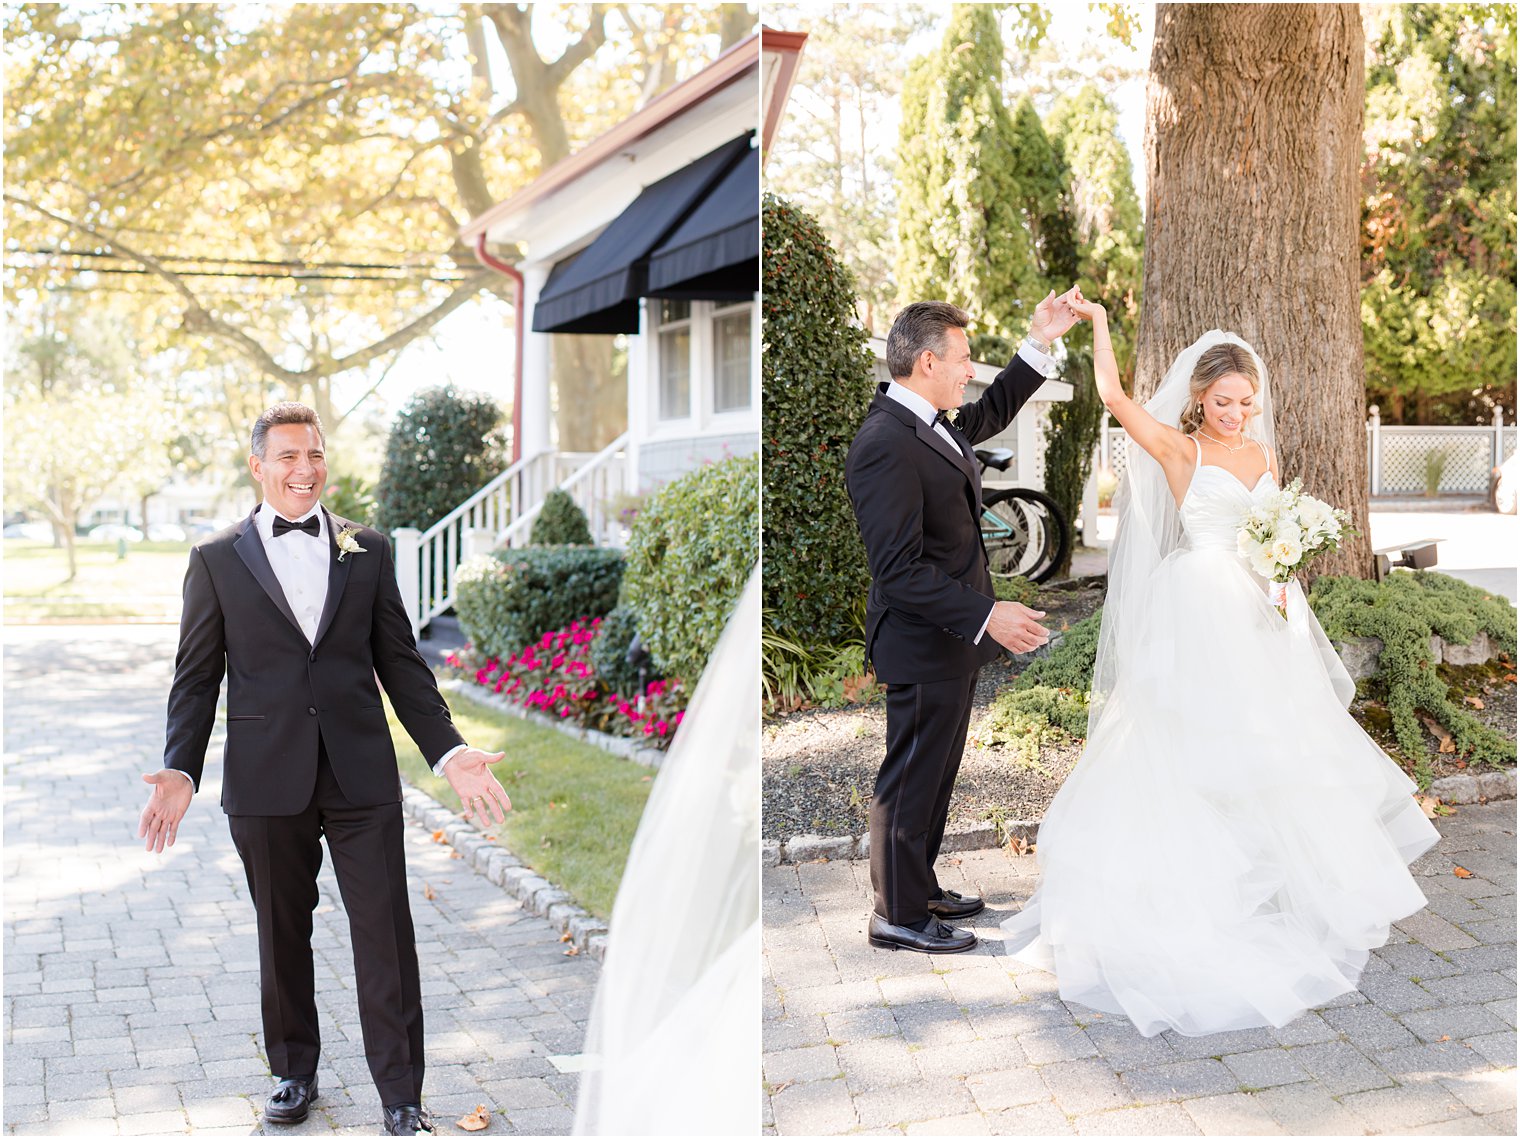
[1150, 528]
[673, 1046]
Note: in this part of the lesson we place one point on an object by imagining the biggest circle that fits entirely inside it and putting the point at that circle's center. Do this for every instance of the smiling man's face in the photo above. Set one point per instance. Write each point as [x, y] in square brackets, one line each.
[293, 470]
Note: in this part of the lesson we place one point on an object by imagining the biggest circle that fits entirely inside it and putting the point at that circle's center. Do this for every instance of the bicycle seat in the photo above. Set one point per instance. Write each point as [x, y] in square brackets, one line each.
[997, 458]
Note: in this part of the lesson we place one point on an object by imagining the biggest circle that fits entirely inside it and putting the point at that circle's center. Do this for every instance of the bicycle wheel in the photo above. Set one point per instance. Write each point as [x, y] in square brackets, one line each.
[1024, 533]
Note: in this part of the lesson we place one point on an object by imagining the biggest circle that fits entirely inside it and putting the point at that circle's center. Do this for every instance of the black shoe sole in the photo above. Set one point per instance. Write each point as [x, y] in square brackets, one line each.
[881, 943]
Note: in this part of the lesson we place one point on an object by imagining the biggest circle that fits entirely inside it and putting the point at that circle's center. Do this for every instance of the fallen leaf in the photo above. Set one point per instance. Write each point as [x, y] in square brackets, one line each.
[572, 951]
[1428, 804]
[1474, 701]
[953, 861]
[646, 779]
[782, 1086]
[1444, 1038]
[1461, 872]
[455, 854]
[1459, 764]
[477, 1120]
[564, 937]
[438, 836]
[1509, 678]
[427, 892]
[1448, 745]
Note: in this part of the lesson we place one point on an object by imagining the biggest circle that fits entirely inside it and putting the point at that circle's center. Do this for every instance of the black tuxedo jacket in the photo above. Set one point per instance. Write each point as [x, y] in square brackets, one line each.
[917, 501]
[283, 691]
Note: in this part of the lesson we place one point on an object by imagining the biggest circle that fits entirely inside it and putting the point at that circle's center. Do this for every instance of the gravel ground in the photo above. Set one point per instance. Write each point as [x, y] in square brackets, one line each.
[818, 766]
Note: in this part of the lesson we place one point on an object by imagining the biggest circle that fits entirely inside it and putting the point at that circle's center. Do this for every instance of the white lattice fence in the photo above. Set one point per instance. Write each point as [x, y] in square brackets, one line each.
[1397, 456]
[1460, 458]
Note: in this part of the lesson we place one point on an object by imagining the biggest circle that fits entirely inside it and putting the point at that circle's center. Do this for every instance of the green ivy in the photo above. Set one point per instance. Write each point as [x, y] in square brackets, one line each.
[817, 380]
[1404, 611]
[511, 597]
[560, 522]
[690, 551]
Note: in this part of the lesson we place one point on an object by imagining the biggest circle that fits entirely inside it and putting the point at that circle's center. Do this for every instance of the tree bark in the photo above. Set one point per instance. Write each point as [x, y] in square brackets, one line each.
[1252, 143]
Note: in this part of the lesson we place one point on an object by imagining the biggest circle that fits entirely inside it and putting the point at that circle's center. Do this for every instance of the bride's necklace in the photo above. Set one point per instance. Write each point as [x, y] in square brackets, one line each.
[1222, 443]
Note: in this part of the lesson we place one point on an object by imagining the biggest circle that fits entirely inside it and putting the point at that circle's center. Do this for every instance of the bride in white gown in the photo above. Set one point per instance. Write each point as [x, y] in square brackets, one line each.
[1231, 844]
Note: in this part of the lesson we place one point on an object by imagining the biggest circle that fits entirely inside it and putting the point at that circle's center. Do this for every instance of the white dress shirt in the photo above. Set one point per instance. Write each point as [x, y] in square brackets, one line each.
[926, 411]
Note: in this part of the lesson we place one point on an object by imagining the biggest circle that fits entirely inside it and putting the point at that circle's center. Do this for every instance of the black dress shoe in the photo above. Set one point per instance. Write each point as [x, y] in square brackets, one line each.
[937, 937]
[952, 905]
[407, 1119]
[291, 1100]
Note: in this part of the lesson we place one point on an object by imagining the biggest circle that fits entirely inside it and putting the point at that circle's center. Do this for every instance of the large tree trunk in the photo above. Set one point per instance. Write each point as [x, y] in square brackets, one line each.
[1253, 136]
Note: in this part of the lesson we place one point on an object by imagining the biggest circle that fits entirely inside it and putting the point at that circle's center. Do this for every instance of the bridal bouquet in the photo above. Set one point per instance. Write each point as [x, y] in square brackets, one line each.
[1279, 536]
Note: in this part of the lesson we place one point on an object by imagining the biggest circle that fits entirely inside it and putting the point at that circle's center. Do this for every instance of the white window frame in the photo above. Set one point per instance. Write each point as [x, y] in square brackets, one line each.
[703, 417]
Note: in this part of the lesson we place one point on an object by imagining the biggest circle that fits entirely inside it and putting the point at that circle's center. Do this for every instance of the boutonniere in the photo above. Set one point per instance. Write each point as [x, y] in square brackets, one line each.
[348, 542]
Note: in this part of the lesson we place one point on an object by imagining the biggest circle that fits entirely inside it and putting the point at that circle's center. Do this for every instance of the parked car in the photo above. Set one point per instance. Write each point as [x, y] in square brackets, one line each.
[31, 531]
[1506, 483]
[114, 532]
[166, 532]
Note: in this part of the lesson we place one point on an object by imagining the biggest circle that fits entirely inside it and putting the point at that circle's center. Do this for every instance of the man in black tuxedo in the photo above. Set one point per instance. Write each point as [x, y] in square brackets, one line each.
[931, 618]
[301, 610]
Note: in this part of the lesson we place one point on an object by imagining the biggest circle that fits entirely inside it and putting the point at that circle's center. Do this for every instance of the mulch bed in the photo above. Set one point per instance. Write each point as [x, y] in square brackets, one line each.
[818, 766]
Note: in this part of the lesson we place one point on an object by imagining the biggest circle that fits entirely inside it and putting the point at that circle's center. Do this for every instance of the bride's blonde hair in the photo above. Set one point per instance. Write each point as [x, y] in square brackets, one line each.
[1216, 363]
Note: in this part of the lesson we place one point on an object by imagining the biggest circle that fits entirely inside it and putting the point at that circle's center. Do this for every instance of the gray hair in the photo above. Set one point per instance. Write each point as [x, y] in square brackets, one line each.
[282, 413]
[920, 328]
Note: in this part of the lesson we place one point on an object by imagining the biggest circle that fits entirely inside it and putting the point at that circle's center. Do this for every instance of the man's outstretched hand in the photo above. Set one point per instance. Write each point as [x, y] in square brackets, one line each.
[167, 804]
[469, 773]
[1054, 315]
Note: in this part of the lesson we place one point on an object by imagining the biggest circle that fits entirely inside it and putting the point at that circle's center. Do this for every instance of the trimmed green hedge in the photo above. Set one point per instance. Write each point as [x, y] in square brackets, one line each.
[512, 597]
[816, 369]
[609, 653]
[690, 552]
[560, 522]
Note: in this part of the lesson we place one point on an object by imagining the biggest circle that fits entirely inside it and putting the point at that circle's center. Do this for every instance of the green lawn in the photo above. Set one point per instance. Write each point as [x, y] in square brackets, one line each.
[144, 584]
[574, 807]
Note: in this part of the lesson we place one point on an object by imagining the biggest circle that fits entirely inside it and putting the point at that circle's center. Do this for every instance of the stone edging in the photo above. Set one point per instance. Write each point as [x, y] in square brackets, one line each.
[625, 747]
[1457, 789]
[537, 894]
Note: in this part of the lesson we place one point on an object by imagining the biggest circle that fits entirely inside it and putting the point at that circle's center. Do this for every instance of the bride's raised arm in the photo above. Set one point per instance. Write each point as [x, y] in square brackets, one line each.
[1166, 444]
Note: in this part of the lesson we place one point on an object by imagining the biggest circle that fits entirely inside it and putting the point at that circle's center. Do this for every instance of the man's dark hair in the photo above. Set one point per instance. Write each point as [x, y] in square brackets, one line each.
[918, 328]
[281, 413]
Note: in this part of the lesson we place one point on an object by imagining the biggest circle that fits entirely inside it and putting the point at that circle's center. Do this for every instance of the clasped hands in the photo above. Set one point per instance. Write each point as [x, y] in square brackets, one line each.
[1055, 314]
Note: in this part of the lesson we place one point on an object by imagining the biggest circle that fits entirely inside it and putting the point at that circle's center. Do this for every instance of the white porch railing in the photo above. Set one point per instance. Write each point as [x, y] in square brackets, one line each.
[501, 513]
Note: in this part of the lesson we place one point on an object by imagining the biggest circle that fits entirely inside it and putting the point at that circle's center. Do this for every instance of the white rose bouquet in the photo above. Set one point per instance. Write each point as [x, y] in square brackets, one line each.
[1279, 536]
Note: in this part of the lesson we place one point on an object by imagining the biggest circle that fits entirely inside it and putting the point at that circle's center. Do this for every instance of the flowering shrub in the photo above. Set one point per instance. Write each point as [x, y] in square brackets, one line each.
[556, 675]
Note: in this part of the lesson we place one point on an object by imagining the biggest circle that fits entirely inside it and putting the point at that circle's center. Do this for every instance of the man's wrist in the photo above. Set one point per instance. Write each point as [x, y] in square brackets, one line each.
[1040, 343]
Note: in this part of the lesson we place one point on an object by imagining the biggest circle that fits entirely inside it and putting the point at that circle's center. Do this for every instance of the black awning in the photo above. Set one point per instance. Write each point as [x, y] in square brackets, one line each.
[715, 253]
[600, 290]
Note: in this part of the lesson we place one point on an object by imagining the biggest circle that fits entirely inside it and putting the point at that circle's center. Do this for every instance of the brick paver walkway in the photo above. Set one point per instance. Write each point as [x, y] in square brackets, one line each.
[860, 1039]
[131, 980]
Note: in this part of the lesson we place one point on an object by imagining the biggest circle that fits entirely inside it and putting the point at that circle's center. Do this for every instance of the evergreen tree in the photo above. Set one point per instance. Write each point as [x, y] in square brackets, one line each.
[963, 234]
[1438, 216]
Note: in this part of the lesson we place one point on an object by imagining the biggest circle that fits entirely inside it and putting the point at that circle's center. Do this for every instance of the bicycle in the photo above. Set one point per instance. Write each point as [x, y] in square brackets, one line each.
[1023, 530]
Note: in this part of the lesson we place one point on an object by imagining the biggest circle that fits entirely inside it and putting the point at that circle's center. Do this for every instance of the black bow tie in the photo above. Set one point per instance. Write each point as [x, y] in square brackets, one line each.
[943, 417]
[312, 526]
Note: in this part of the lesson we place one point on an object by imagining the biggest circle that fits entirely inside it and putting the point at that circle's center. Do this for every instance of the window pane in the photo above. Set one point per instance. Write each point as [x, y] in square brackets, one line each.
[731, 350]
[675, 373]
[671, 311]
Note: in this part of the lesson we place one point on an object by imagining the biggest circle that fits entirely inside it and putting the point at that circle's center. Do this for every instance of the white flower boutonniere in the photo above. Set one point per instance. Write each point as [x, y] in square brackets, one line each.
[348, 543]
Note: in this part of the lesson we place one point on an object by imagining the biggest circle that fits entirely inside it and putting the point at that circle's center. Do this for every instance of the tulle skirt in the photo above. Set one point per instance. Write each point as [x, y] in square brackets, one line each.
[1231, 844]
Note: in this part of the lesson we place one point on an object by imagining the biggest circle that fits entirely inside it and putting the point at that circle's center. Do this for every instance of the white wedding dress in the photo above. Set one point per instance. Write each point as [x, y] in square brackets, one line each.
[1231, 844]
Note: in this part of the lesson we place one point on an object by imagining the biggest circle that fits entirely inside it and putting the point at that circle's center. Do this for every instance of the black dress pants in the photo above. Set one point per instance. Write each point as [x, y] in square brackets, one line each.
[926, 734]
[281, 856]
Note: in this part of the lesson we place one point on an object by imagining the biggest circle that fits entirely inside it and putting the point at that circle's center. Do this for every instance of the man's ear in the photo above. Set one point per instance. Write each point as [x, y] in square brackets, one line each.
[253, 467]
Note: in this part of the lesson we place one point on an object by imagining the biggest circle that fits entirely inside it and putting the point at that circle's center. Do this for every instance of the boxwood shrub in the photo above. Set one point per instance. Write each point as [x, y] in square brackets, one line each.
[560, 522]
[512, 597]
[690, 552]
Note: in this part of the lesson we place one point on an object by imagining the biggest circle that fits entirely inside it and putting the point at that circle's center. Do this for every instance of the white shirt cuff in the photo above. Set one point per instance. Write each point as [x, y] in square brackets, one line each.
[1041, 362]
[446, 756]
[186, 774]
[982, 632]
